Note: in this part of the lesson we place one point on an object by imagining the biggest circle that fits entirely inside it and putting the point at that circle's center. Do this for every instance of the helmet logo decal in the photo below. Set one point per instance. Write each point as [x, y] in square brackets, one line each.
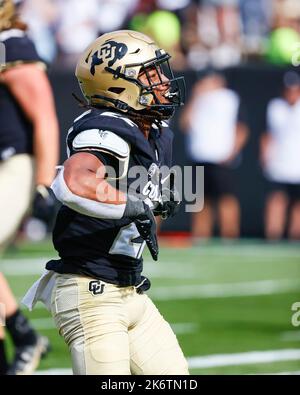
[112, 51]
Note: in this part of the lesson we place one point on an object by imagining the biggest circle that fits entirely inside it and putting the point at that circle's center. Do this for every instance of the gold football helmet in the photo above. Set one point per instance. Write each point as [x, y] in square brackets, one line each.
[7, 11]
[108, 74]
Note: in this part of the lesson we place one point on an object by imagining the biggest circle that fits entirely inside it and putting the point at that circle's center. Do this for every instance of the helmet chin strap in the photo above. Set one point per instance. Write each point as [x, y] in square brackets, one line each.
[144, 118]
[149, 114]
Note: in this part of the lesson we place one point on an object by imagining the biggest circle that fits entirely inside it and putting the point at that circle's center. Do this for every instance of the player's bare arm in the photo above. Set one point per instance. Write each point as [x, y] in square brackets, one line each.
[30, 86]
[85, 175]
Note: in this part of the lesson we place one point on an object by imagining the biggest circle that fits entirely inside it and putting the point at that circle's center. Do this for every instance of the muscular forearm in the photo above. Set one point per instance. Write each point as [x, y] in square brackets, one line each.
[92, 185]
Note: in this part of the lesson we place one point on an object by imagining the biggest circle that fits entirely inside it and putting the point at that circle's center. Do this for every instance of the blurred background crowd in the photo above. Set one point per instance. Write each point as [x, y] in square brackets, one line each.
[242, 116]
[198, 33]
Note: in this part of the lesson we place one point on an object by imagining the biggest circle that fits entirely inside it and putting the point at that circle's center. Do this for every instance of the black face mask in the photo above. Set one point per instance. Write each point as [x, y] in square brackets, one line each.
[175, 94]
[176, 91]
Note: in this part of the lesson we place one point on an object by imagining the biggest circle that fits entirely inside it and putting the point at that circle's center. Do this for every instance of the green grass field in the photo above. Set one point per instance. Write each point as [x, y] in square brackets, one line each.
[230, 304]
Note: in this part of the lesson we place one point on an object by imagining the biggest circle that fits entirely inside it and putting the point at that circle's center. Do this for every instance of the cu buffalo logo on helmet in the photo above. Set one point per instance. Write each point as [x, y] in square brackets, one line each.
[110, 51]
[96, 287]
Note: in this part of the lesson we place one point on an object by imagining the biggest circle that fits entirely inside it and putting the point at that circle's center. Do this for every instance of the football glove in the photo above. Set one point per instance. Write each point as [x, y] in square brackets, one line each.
[43, 204]
[170, 200]
[144, 220]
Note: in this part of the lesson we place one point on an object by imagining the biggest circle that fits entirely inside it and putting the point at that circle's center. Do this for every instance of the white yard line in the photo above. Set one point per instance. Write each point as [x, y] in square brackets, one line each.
[272, 252]
[68, 372]
[179, 328]
[225, 290]
[295, 373]
[169, 269]
[220, 290]
[42, 323]
[33, 266]
[24, 266]
[246, 358]
[218, 360]
[54, 372]
[290, 336]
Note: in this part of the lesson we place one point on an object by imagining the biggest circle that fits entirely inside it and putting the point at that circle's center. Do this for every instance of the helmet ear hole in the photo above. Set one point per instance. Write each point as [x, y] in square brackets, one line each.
[116, 90]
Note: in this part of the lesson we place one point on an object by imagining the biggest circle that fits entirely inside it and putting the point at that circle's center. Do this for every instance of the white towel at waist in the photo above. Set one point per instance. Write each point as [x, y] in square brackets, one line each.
[41, 291]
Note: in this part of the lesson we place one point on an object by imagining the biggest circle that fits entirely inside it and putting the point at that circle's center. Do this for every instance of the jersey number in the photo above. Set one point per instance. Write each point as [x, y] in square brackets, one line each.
[128, 242]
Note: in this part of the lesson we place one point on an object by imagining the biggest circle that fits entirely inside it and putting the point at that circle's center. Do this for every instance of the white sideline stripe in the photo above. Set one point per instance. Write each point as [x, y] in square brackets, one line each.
[290, 336]
[217, 360]
[252, 251]
[42, 323]
[35, 267]
[178, 327]
[68, 372]
[295, 373]
[54, 372]
[32, 266]
[246, 358]
[219, 290]
[225, 290]
[24, 266]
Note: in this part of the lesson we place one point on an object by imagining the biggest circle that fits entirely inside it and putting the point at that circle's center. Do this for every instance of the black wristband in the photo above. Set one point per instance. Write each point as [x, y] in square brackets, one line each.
[134, 207]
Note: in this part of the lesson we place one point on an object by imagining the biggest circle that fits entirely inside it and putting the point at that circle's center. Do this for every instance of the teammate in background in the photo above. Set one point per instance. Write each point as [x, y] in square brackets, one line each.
[280, 158]
[28, 155]
[98, 302]
[216, 133]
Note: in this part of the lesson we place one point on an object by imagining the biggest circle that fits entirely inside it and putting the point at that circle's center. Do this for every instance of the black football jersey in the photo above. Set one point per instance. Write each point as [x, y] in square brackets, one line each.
[109, 250]
[15, 129]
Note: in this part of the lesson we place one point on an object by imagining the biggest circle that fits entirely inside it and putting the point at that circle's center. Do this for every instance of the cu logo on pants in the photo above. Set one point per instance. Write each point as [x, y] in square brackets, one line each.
[96, 287]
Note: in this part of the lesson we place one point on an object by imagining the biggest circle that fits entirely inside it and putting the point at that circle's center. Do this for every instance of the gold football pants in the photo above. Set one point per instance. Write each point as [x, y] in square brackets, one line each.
[112, 330]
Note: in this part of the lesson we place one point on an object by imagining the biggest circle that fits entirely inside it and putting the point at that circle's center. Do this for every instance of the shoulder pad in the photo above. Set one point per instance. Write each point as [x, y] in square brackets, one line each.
[11, 33]
[101, 140]
[19, 48]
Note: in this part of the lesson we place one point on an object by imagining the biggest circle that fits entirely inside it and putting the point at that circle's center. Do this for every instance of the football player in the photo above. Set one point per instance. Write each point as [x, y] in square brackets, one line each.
[28, 154]
[98, 302]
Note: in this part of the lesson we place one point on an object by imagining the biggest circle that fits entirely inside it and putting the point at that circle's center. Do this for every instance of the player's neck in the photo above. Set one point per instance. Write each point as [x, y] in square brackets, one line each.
[144, 123]
[145, 128]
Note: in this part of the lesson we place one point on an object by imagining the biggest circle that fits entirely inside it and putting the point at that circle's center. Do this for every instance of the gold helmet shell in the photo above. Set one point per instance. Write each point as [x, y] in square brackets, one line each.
[109, 68]
[7, 12]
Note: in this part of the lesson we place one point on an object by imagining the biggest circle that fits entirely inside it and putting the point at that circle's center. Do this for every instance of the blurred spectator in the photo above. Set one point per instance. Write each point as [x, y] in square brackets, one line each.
[215, 40]
[165, 29]
[256, 22]
[76, 27]
[80, 22]
[41, 17]
[172, 5]
[285, 35]
[200, 33]
[113, 14]
[216, 134]
[280, 156]
[70, 25]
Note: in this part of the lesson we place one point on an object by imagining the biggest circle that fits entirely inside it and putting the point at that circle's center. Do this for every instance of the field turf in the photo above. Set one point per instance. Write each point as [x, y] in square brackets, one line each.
[230, 304]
